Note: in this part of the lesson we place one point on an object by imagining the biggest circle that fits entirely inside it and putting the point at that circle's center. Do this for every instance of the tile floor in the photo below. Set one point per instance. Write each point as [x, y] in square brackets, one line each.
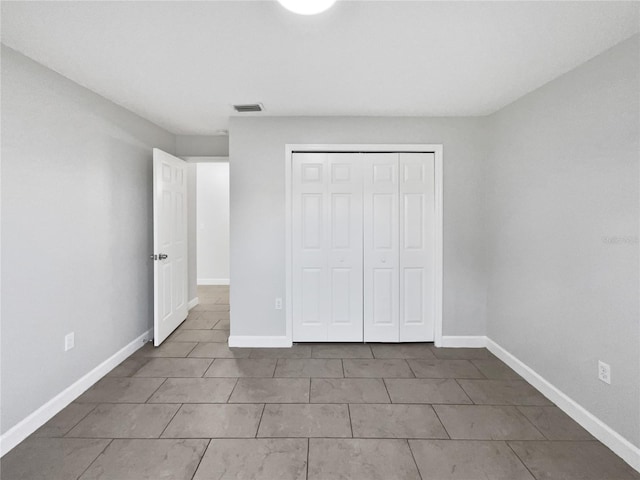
[196, 409]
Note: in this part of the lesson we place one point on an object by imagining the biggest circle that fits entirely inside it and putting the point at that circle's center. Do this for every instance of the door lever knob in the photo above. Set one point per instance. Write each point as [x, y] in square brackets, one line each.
[163, 256]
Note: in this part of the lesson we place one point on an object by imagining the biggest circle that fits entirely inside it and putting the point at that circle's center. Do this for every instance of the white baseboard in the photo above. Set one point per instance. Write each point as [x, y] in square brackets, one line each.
[193, 302]
[479, 341]
[596, 427]
[247, 341]
[213, 281]
[42, 415]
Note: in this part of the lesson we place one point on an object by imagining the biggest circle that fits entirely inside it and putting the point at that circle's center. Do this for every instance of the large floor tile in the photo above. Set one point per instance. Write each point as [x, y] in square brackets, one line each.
[296, 351]
[348, 390]
[174, 367]
[305, 420]
[309, 367]
[395, 421]
[129, 367]
[462, 353]
[167, 349]
[341, 350]
[50, 458]
[555, 424]
[572, 461]
[361, 459]
[484, 422]
[194, 390]
[426, 390]
[64, 421]
[214, 421]
[495, 369]
[256, 459]
[503, 392]
[271, 390]
[377, 368]
[242, 367]
[218, 350]
[220, 336]
[125, 420]
[467, 460]
[402, 350]
[444, 369]
[121, 390]
[147, 460]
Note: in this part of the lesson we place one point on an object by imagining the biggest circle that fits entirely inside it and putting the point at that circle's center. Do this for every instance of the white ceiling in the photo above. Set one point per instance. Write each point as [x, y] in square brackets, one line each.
[182, 64]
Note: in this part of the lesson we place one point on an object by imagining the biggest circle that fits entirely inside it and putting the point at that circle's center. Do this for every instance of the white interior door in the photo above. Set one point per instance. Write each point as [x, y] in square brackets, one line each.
[327, 247]
[417, 237]
[169, 244]
[381, 256]
[345, 248]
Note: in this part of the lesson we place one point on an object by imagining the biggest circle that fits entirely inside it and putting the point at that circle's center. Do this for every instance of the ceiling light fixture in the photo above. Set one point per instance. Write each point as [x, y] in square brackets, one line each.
[307, 7]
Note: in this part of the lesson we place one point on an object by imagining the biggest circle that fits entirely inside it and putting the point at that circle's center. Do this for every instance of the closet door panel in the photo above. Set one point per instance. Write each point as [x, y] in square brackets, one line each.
[309, 247]
[381, 243]
[416, 187]
[345, 250]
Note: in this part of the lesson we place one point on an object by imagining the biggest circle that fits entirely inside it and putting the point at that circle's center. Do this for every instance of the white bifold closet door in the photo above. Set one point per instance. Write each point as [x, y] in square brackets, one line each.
[381, 252]
[327, 247]
[416, 182]
[363, 247]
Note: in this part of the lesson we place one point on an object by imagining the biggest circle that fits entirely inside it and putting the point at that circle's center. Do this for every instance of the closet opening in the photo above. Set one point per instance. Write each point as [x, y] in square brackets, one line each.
[364, 243]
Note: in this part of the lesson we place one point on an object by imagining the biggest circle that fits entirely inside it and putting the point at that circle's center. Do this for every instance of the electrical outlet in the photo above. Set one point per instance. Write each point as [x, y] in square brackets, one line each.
[604, 372]
[278, 304]
[69, 341]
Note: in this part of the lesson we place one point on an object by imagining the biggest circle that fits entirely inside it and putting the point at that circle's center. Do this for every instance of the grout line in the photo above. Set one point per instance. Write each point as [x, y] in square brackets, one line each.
[156, 390]
[387, 390]
[194, 347]
[517, 407]
[464, 391]
[233, 389]
[518, 457]
[74, 425]
[410, 367]
[308, 448]
[264, 406]
[480, 440]
[200, 461]
[169, 422]
[414, 458]
[97, 457]
[350, 421]
[441, 423]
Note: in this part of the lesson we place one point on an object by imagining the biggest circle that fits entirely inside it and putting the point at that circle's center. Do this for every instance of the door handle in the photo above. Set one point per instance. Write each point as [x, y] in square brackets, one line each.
[163, 256]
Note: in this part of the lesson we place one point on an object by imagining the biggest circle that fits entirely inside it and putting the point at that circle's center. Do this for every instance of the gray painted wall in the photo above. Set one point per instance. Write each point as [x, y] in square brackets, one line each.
[202, 145]
[192, 234]
[213, 221]
[76, 231]
[257, 151]
[562, 185]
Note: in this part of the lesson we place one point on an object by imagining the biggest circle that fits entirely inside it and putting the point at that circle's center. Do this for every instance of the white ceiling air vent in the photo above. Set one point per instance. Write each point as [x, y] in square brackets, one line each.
[250, 107]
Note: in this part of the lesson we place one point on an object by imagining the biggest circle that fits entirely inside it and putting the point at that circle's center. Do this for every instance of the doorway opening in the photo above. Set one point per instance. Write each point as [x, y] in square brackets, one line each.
[209, 235]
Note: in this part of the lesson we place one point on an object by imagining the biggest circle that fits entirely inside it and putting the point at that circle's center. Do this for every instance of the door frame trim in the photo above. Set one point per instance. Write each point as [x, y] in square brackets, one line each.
[436, 149]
